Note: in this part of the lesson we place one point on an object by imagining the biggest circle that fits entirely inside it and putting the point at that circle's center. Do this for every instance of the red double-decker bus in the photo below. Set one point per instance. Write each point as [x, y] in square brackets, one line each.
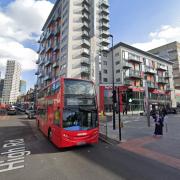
[67, 112]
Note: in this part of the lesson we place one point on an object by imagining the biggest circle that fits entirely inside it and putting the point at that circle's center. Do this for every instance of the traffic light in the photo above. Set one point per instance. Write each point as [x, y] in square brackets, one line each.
[114, 96]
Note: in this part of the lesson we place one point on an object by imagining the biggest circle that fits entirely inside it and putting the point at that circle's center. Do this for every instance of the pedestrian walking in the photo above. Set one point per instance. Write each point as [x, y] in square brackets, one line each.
[159, 120]
[166, 123]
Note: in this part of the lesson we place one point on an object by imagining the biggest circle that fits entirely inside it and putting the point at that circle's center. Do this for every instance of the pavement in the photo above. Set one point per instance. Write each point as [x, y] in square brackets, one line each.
[138, 138]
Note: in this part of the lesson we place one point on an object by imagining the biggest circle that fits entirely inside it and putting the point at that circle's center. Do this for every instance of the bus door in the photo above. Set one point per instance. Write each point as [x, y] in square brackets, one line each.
[49, 115]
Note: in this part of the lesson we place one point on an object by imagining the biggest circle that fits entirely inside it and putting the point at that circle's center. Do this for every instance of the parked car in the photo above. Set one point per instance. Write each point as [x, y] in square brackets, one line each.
[172, 110]
[11, 110]
[31, 114]
[28, 110]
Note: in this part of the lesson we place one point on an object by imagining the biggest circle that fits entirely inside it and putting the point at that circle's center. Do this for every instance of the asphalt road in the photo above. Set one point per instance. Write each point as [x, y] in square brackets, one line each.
[90, 162]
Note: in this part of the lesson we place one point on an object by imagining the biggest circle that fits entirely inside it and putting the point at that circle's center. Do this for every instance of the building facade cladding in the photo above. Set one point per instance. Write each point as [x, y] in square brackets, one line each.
[11, 82]
[133, 69]
[74, 35]
[171, 52]
[1, 88]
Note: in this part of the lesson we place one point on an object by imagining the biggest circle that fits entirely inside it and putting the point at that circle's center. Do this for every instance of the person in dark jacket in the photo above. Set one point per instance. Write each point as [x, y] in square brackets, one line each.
[158, 119]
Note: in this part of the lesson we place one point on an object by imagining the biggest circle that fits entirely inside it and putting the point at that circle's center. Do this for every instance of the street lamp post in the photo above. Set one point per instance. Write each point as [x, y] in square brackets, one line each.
[113, 91]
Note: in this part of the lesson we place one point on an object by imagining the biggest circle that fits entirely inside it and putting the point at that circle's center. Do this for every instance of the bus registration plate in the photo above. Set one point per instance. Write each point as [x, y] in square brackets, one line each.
[81, 143]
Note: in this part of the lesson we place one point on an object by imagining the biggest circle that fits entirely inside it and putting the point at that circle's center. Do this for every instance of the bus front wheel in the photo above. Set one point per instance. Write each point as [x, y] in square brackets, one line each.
[49, 134]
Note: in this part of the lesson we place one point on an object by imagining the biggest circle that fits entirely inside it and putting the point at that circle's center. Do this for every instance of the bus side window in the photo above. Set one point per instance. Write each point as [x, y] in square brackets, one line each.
[57, 117]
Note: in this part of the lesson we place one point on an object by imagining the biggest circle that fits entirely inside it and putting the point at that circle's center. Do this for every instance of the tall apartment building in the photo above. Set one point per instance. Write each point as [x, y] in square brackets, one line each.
[1, 88]
[11, 82]
[22, 87]
[133, 69]
[171, 52]
[73, 39]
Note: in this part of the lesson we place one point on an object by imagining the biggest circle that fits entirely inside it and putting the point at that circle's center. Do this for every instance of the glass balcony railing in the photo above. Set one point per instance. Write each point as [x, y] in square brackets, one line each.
[126, 65]
[135, 74]
[161, 80]
[150, 70]
[151, 85]
[127, 82]
[161, 67]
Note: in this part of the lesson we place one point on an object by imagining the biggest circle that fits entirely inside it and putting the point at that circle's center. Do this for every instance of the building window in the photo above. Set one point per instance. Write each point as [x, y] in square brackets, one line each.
[117, 54]
[117, 62]
[118, 80]
[118, 71]
[105, 63]
[105, 71]
[105, 79]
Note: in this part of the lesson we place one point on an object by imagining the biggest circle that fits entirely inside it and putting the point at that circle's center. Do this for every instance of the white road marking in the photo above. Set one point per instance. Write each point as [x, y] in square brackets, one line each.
[15, 156]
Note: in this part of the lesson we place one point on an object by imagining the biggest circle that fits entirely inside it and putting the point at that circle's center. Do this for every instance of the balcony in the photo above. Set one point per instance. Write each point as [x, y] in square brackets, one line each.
[127, 82]
[168, 88]
[135, 74]
[85, 2]
[104, 42]
[85, 43]
[49, 34]
[55, 65]
[126, 65]
[38, 61]
[104, 18]
[42, 50]
[43, 37]
[104, 49]
[133, 59]
[49, 47]
[177, 85]
[56, 47]
[104, 11]
[41, 62]
[85, 35]
[85, 9]
[105, 34]
[85, 71]
[85, 26]
[151, 85]
[161, 80]
[85, 18]
[41, 74]
[48, 62]
[161, 67]
[85, 62]
[104, 26]
[48, 77]
[37, 73]
[104, 4]
[167, 75]
[150, 70]
[57, 30]
[85, 52]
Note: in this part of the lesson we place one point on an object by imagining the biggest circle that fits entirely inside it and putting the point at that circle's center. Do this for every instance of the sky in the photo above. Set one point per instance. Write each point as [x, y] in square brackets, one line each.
[141, 23]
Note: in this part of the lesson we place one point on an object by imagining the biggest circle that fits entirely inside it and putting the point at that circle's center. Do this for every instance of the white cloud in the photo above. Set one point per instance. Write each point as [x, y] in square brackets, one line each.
[21, 20]
[13, 50]
[164, 35]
